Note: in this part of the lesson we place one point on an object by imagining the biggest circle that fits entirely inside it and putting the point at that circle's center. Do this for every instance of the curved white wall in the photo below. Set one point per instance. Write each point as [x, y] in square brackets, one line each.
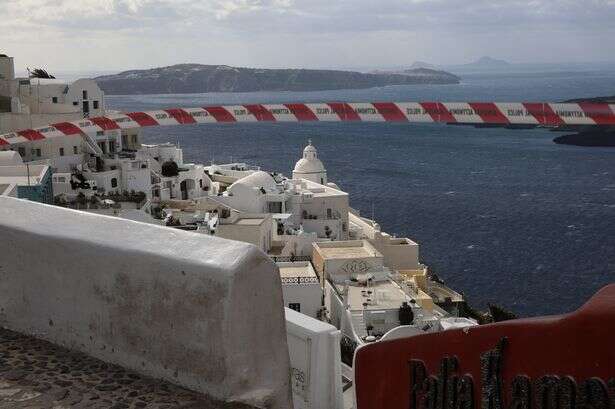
[201, 312]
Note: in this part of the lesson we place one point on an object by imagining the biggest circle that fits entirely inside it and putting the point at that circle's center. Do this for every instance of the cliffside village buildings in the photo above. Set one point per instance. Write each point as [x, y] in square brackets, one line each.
[334, 264]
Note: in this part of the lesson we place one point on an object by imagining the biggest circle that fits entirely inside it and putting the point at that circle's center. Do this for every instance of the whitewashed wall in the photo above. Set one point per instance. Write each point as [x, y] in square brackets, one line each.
[315, 357]
[201, 312]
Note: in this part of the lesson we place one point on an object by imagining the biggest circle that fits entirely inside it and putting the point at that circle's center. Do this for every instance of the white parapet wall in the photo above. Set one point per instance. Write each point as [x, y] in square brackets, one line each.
[198, 311]
[316, 373]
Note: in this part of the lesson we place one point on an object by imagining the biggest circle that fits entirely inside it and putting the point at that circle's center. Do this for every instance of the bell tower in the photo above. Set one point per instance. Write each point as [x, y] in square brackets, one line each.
[310, 167]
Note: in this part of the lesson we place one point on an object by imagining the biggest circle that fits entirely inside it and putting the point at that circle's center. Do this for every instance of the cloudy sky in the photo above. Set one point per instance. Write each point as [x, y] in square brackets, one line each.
[98, 35]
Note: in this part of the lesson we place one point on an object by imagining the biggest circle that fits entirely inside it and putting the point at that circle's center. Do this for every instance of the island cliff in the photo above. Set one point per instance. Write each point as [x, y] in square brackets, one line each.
[197, 78]
[599, 136]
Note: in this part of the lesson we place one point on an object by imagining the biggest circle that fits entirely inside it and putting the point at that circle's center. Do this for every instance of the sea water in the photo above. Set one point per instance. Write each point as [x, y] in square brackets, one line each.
[504, 216]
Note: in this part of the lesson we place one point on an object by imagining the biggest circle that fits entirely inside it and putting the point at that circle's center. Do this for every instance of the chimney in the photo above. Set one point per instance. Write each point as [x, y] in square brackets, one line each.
[7, 67]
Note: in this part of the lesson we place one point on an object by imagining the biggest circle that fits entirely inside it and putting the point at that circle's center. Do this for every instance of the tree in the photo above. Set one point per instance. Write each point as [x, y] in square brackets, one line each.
[170, 168]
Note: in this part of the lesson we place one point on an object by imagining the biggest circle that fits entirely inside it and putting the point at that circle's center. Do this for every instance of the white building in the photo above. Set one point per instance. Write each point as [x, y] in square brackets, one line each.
[254, 229]
[24, 181]
[109, 161]
[365, 301]
[105, 162]
[256, 193]
[33, 102]
[301, 289]
[399, 253]
[308, 206]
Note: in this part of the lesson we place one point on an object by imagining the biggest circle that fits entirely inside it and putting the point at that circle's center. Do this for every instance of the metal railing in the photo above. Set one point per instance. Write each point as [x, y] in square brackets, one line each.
[286, 259]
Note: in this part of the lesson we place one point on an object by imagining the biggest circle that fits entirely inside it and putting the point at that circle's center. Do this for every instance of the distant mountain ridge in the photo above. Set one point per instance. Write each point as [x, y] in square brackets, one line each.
[491, 66]
[484, 62]
[416, 72]
[198, 78]
[423, 64]
[487, 61]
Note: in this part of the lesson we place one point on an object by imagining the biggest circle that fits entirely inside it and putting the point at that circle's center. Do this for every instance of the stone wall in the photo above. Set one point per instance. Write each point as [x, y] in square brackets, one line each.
[201, 312]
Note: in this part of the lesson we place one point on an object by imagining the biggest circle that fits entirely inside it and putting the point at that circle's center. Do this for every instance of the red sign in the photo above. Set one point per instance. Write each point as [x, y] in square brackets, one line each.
[558, 362]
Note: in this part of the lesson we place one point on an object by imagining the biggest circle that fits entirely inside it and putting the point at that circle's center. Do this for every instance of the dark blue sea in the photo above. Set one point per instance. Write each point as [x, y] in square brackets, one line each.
[504, 216]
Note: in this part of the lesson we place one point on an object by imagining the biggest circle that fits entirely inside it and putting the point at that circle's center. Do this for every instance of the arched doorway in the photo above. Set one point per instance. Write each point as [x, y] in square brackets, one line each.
[186, 186]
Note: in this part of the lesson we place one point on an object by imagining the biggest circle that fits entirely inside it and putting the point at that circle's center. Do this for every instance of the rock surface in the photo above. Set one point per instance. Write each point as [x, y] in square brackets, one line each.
[197, 78]
[588, 138]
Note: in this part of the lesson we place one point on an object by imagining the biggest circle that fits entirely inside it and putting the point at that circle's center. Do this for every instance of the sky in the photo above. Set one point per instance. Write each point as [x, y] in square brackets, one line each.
[113, 35]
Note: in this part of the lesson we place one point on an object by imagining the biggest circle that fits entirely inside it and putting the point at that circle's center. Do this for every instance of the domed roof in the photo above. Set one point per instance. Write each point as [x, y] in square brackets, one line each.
[309, 166]
[255, 180]
[310, 162]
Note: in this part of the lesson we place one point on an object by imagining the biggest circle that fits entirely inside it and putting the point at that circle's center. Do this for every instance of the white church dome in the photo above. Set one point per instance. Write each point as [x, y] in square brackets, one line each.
[309, 163]
[253, 181]
[310, 167]
[247, 192]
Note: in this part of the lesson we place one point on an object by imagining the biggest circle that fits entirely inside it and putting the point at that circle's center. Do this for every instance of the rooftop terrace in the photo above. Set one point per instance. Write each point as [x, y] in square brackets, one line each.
[346, 249]
[296, 269]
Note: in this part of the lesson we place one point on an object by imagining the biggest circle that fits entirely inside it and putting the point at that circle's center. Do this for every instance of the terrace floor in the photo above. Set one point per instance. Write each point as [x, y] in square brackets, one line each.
[36, 374]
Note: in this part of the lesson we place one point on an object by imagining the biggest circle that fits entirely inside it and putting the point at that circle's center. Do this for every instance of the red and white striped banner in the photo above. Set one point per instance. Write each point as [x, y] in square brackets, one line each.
[488, 113]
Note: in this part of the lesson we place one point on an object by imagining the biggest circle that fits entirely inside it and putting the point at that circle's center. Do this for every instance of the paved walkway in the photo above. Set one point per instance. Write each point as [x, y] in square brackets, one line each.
[36, 374]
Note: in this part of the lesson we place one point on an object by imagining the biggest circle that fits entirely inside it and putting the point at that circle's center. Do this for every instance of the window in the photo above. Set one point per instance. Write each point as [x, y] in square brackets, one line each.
[54, 100]
[95, 104]
[75, 150]
[22, 151]
[85, 94]
[329, 214]
[103, 146]
[295, 306]
[61, 151]
[113, 182]
[134, 138]
[38, 152]
[75, 103]
[100, 133]
[275, 207]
